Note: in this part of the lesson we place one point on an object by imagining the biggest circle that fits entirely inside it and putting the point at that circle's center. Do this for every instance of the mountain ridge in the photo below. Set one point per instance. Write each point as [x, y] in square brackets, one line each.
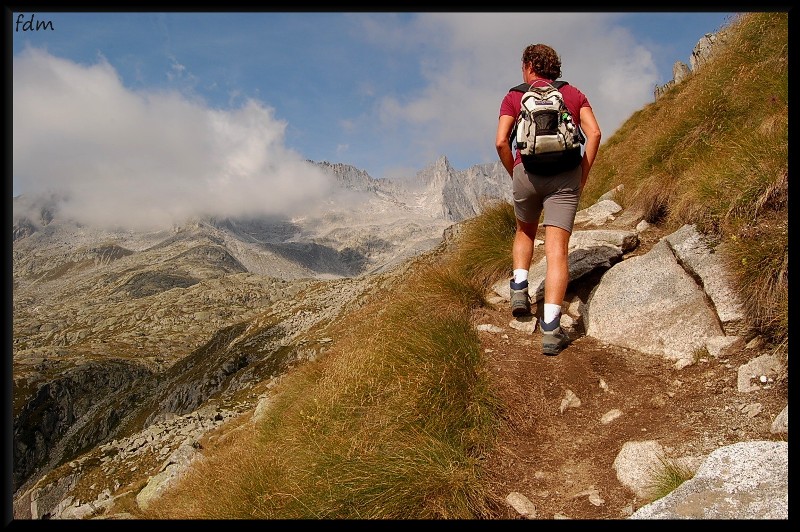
[87, 296]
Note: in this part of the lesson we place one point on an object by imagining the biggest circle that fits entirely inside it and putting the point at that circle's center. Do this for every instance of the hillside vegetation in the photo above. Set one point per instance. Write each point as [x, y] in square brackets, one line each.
[714, 151]
[394, 420]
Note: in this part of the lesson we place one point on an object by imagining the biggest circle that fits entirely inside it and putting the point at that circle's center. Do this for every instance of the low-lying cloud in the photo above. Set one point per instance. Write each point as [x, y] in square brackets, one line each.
[143, 159]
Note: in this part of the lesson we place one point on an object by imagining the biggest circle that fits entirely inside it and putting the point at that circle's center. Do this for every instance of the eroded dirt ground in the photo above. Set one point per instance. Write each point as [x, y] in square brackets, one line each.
[563, 461]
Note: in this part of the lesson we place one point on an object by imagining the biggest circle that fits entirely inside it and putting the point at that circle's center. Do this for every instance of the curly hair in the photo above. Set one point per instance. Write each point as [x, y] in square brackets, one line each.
[543, 59]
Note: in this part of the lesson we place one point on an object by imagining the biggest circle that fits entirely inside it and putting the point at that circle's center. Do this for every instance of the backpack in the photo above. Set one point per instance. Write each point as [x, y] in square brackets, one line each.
[547, 138]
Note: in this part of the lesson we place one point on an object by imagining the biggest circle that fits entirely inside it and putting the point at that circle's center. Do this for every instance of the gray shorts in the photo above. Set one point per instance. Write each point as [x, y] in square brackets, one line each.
[556, 195]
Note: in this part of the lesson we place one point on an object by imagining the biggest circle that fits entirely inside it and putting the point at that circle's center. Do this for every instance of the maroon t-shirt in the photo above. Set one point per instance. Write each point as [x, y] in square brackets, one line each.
[574, 99]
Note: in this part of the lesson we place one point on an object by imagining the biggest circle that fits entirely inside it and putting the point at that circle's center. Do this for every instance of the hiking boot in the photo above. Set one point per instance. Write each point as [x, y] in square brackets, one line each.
[554, 339]
[520, 299]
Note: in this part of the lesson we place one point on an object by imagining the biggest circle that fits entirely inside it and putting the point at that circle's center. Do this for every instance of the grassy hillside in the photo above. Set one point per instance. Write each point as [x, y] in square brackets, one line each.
[393, 421]
[714, 151]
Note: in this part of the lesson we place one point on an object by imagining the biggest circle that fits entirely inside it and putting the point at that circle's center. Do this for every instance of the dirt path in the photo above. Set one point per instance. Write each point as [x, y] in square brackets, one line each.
[563, 461]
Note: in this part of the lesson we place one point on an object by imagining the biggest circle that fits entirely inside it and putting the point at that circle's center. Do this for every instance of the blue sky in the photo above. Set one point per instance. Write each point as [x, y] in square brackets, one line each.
[196, 105]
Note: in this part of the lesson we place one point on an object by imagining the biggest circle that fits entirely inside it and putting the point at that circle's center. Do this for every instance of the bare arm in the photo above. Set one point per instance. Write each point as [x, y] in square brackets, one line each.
[504, 125]
[591, 129]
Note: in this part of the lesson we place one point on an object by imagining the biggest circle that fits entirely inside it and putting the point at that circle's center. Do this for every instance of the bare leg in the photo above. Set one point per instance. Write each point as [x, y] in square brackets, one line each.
[556, 249]
[521, 255]
[522, 251]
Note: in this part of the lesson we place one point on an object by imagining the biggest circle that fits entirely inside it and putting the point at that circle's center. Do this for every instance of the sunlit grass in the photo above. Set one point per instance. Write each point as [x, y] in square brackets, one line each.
[391, 423]
[666, 476]
[484, 253]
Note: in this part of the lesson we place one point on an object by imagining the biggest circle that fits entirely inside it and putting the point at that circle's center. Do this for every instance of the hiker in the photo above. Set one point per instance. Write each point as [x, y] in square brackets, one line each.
[556, 195]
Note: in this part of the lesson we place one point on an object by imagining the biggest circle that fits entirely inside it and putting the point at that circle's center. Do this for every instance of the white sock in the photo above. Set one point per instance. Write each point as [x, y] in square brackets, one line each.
[551, 312]
[520, 275]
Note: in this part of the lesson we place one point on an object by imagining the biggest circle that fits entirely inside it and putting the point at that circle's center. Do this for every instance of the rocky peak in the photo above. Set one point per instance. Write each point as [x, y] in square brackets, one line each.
[348, 176]
[457, 195]
[435, 175]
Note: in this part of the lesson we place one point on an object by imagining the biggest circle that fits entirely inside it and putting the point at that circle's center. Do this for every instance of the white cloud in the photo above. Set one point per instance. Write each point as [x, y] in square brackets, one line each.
[472, 59]
[147, 159]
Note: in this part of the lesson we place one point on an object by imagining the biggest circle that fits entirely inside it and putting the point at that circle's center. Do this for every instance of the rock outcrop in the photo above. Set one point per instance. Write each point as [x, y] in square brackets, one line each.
[701, 53]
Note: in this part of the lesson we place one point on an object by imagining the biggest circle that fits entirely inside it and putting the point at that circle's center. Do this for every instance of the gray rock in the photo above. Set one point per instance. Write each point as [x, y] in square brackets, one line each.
[521, 504]
[704, 263]
[636, 303]
[746, 480]
[635, 463]
[598, 213]
[780, 424]
[749, 375]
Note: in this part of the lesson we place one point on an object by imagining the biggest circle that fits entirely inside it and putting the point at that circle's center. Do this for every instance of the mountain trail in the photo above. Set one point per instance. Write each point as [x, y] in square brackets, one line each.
[566, 417]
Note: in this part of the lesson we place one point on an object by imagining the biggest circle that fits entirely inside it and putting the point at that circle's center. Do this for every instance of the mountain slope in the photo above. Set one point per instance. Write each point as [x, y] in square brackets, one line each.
[90, 302]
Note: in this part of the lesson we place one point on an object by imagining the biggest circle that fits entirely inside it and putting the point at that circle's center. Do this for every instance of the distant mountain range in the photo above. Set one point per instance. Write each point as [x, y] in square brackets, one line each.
[113, 329]
[383, 223]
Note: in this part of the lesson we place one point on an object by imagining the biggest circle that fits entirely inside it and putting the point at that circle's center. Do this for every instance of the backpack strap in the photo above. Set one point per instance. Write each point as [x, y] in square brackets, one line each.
[524, 87]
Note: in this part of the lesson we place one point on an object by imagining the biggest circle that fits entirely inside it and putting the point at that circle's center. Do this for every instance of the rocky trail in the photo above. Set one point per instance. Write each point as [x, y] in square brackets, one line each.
[567, 417]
